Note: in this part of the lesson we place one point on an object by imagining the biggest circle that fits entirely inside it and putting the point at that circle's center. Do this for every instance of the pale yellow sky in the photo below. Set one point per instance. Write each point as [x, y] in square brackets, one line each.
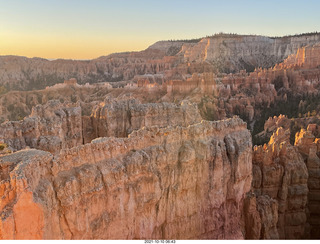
[75, 47]
[83, 29]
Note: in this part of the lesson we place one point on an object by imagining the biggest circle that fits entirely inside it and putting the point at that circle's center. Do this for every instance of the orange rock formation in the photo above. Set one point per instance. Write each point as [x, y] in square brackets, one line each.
[50, 127]
[170, 183]
[174, 60]
[280, 187]
[143, 164]
[309, 148]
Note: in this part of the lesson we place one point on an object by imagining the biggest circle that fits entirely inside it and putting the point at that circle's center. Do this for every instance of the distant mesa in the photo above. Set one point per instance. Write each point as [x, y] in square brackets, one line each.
[169, 60]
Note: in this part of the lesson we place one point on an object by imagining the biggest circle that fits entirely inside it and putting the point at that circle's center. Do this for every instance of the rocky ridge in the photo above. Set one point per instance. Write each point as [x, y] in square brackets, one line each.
[280, 190]
[120, 117]
[55, 125]
[157, 161]
[159, 170]
[50, 127]
[171, 183]
[309, 148]
[219, 53]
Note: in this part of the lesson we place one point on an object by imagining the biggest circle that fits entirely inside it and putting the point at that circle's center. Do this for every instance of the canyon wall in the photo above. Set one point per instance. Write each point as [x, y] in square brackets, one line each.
[171, 178]
[159, 183]
[242, 93]
[309, 148]
[284, 199]
[55, 125]
[160, 171]
[218, 53]
[50, 127]
[233, 53]
[279, 191]
[119, 118]
[306, 57]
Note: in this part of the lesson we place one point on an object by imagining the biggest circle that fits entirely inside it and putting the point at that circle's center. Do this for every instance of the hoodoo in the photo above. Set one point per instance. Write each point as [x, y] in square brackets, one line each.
[212, 138]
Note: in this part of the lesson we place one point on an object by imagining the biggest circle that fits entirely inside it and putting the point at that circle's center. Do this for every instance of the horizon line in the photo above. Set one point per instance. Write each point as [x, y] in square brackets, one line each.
[172, 40]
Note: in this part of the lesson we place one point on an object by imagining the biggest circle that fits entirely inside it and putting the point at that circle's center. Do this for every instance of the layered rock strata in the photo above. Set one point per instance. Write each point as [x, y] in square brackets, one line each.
[309, 147]
[280, 191]
[55, 126]
[218, 53]
[218, 95]
[50, 127]
[120, 117]
[159, 183]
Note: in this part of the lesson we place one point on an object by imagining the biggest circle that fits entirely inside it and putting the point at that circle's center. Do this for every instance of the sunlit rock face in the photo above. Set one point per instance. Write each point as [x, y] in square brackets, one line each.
[306, 57]
[309, 147]
[241, 52]
[219, 95]
[278, 205]
[159, 183]
[219, 53]
[139, 162]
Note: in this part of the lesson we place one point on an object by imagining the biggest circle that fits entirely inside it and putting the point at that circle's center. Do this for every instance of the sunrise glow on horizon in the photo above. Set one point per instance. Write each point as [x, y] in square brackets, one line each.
[89, 29]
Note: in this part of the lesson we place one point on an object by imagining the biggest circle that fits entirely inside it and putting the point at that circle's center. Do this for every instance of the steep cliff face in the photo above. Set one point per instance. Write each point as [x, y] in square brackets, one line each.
[219, 53]
[50, 127]
[55, 126]
[233, 53]
[120, 117]
[309, 148]
[21, 73]
[280, 187]
[160, 172]
[159, 183]
[306, 57]
[250, 95]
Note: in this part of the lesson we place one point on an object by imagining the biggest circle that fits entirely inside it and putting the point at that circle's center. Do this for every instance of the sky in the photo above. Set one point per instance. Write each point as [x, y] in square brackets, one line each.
[87, 29]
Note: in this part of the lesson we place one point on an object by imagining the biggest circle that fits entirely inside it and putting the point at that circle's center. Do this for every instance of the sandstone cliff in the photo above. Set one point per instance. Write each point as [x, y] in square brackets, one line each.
[161, 172]
[50, 127]
[309, 148]
[120, 117]
[233, 53]
[277, 208]
[159, 183]
[218, 53]
[218, 95]
[55, 126]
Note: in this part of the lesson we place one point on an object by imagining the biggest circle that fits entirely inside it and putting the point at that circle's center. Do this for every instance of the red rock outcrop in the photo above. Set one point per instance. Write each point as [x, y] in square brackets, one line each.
[170, 183]
[306, 57]
[174, 60]
[120, 117]
[50, 127]
[280, 187]
[236, 52]
[242, 93]
[272, 125]
[309, 148]
[166, 175]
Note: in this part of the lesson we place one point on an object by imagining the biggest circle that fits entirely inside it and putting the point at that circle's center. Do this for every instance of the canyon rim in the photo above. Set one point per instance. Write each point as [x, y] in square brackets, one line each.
[201, 137]
[166, 143]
